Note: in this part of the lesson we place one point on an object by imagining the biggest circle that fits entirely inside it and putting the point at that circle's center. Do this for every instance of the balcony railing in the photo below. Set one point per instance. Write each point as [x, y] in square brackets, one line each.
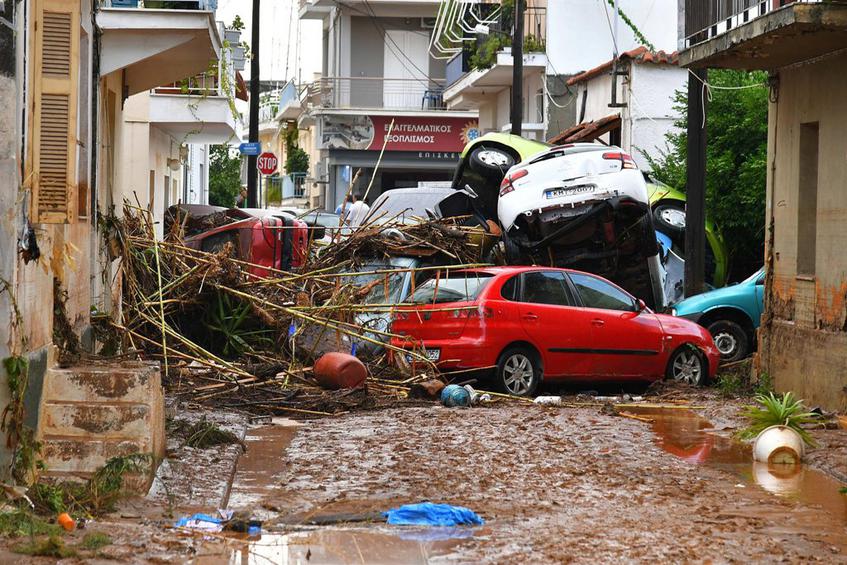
[207, 5]
[707, 19]
[205, 84]
[378, 92]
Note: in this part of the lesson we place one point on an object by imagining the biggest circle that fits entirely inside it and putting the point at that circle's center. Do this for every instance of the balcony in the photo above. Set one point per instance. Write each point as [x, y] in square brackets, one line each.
[345, 93]
[195, 110]
[761, 34]
[152, 46]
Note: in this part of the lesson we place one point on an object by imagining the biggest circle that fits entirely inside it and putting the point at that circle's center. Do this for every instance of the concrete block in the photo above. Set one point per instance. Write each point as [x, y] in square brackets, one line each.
[90, 414]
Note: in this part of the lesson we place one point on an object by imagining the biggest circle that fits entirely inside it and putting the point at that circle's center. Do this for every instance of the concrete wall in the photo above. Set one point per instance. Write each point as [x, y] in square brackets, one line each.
[650, 112]
[144, 148]
[578, 36]
[26, 300]
[803, 340]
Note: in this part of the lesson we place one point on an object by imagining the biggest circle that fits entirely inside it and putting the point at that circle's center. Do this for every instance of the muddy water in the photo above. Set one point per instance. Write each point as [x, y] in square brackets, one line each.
[684, 434]
[332, 546]
[258, 470]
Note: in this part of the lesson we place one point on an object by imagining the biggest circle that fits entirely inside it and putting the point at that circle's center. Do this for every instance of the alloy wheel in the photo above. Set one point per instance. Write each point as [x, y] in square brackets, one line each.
[518, 374]
[687, 367]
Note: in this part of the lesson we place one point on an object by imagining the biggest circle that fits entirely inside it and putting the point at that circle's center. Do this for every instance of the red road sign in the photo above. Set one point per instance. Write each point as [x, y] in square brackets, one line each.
[266, 163]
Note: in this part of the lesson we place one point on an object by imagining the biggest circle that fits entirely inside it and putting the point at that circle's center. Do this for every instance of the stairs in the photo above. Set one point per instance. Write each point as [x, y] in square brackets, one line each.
[89, 414]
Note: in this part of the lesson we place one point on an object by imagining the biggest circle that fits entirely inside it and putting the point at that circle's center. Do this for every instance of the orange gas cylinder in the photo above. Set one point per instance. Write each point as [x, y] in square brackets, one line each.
[340, 370]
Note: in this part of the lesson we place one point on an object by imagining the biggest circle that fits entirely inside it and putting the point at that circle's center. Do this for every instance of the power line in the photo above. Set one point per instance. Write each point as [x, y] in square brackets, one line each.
[395, 50]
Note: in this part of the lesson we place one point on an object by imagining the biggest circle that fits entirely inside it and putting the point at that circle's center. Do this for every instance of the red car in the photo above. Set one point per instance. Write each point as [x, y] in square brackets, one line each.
[536, 324]
[279, 242]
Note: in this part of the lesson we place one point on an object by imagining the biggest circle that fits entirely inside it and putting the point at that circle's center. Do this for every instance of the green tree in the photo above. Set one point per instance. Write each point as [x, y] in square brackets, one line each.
[736, 155]
[296, 160]
[224, 175]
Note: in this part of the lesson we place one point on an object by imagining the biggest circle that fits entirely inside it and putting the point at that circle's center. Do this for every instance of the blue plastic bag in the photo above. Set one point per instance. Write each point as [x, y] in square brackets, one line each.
[430, 514]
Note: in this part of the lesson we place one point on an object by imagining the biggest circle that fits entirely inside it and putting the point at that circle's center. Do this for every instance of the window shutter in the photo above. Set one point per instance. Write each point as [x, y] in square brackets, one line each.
[52, 134]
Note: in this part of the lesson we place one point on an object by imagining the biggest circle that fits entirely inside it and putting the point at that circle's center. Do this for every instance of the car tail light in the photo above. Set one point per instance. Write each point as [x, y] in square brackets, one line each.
[627, 162]
[506, 186]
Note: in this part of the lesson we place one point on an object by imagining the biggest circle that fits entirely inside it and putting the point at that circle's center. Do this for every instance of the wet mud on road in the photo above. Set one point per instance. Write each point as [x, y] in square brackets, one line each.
[554, 485]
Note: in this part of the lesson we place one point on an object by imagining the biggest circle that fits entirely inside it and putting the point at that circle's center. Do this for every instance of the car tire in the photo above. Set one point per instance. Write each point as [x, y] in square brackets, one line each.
[491, 162]
[669, 217]
[512, 254]
[518, 371]
[688, 365]
[730, 339]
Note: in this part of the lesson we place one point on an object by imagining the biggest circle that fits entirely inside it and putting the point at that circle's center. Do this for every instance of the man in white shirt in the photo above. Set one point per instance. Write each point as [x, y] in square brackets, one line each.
[356, 211]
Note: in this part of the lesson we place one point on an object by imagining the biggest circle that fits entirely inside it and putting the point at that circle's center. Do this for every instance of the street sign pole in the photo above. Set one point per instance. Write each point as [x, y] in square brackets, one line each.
[254, 107]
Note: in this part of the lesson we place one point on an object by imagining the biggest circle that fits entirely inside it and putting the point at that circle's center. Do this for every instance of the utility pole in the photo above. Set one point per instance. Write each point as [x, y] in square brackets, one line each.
[695, 206]
[517, 70]
[252, 170]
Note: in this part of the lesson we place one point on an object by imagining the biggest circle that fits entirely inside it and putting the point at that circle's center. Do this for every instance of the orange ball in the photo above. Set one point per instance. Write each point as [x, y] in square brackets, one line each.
[66, 521]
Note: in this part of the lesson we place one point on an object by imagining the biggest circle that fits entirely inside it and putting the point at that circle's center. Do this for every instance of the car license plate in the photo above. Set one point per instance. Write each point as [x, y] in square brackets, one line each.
[431, 354]
[571, 190]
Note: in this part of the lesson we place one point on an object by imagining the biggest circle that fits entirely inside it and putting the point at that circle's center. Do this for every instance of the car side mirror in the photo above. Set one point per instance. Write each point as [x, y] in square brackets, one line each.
[642, 306]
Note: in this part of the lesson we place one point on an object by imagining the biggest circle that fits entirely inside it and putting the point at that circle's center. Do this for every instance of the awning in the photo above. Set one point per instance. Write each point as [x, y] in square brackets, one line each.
[156, 47]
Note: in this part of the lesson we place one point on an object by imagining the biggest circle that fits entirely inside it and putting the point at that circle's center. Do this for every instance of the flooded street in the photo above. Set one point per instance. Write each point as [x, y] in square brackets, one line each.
[553, 484]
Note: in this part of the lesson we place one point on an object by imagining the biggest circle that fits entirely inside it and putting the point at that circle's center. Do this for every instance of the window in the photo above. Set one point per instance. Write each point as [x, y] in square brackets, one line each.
[597, 293]
[457, 287]
[52, 137]
[546, 287]
[807, 199]
[510, 288]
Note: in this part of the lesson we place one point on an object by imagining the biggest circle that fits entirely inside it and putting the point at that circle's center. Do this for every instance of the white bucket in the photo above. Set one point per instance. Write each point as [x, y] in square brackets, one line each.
[778, 445]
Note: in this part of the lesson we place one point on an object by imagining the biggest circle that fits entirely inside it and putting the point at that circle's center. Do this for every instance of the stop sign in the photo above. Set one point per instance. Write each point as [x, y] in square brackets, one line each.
[266, 163]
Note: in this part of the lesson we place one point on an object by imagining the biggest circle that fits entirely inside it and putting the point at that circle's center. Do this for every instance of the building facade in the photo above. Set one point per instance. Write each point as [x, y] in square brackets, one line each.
[640, 113]
[64, 123]
[803, 337]
[563, 39]
[380, 88]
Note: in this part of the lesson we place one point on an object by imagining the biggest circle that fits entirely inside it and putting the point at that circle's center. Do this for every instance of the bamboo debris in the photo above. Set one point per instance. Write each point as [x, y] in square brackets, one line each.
[232, 333]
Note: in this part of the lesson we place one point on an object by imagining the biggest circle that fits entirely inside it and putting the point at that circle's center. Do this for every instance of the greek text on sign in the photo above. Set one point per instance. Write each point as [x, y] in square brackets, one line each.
[266, 163]
[409, 133]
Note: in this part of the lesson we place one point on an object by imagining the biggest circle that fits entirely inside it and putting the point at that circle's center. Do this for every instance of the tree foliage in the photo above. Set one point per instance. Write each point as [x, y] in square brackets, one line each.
[224, 175]
[736, 155]
[296, 160]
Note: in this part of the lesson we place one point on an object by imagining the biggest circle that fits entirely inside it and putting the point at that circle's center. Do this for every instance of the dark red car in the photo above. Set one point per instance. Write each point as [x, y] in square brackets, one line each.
[534, 323]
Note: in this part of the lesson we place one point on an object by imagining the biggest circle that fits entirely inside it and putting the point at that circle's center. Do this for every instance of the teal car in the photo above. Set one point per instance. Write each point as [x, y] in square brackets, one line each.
[731, 314]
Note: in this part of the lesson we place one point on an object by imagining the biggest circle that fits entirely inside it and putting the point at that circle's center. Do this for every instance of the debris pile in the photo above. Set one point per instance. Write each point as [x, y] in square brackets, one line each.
[228, 337]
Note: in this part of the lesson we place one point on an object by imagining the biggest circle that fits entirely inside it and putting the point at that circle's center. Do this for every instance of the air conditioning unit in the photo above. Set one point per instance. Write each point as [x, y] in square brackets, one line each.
[428, 23]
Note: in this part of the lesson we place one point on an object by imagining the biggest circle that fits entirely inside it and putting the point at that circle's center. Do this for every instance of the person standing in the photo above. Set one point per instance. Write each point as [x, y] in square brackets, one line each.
[356, 211]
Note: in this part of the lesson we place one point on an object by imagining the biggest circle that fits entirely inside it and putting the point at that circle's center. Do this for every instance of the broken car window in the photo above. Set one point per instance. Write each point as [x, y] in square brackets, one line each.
[596, 293]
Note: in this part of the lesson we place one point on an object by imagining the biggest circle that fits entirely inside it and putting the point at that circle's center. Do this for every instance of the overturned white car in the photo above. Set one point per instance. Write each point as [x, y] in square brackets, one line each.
[583, 205]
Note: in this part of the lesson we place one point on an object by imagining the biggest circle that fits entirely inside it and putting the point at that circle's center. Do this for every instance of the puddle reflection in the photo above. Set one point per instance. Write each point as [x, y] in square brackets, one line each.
[684, 434]
[342, 546]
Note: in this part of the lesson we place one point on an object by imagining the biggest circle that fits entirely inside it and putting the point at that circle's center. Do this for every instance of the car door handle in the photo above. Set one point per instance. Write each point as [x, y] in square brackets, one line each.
[530, 317]
[597, 322]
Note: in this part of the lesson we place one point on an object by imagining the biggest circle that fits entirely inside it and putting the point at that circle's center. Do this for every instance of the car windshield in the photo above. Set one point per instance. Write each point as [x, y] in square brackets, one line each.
[385, 288]
[457, 287]
[407, 204]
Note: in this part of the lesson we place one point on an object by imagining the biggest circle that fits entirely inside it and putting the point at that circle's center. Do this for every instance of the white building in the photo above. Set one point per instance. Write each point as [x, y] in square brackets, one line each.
[377, 69]
[644, 98]
[568, 37]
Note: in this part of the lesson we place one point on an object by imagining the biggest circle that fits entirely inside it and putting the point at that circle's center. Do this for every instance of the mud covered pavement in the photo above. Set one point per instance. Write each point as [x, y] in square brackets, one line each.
[553, 484]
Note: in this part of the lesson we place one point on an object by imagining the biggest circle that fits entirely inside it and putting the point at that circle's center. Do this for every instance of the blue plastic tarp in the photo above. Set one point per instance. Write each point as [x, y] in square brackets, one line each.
[430, 514]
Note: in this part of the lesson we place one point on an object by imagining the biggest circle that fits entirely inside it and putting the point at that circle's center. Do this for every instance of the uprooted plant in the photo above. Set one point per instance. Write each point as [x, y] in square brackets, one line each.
[97, 495]
[772, 410]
